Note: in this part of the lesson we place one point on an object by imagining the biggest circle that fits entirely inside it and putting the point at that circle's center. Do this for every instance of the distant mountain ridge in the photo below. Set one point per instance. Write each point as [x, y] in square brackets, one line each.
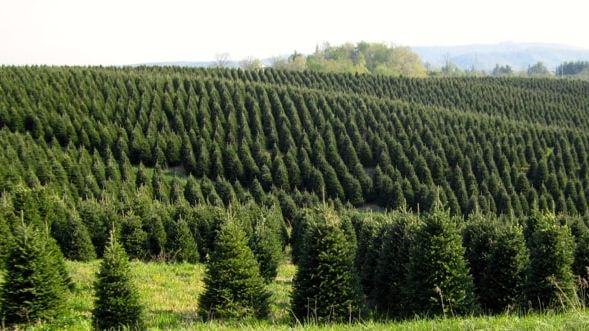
[517, 55]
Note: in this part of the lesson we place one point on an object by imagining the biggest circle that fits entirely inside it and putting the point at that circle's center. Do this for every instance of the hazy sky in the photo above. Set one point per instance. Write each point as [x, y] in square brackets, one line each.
[138, 31]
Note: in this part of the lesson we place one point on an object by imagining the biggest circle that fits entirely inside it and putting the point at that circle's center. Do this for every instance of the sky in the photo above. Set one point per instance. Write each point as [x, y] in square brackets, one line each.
[116, 32]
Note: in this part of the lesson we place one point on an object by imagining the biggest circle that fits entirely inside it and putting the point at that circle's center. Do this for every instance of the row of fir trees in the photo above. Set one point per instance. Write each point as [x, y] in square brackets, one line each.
[400, 265]
[350, 265]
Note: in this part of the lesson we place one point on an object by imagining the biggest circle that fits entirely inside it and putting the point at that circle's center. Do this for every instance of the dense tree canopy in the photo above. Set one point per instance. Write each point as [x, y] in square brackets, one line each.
[366, 57]
[497, 145]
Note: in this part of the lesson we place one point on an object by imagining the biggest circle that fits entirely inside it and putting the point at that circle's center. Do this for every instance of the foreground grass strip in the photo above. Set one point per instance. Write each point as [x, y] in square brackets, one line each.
[170, 293]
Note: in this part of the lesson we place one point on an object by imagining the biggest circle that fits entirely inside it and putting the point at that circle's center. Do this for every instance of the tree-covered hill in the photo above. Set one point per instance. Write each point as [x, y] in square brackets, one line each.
[488, 180]
[498, 145]
[536, 100]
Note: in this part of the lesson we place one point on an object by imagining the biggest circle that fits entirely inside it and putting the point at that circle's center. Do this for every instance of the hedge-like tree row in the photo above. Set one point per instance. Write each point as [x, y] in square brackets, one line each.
[400, 265]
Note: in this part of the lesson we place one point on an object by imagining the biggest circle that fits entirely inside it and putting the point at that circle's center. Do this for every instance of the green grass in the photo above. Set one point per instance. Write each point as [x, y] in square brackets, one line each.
[170, 292]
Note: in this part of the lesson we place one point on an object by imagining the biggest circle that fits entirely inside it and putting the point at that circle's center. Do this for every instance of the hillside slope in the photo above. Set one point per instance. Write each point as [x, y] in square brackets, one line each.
[498, 145]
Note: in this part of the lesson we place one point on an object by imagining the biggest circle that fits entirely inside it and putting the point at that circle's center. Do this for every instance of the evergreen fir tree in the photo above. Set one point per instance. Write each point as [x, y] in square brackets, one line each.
[438, 280]
[24, 203]
[117, 302]
[159, 185]
[133, 237]
[202, 167]
[155, 232]
[141, 178]
[266, 246]
[210, 193]
[257, 191]
[265, 177]
[549, 276]
[497, 255]
[280, 173]
[225, 191]
[581, 233]
[300, 226]
[391, 269]
[326, 287]
[35, 280]
[6, 239]
[176, 191]
[368, 248]
[234, 287]
[192, 191]
[180, 246]
[73, 238]
[581, 263]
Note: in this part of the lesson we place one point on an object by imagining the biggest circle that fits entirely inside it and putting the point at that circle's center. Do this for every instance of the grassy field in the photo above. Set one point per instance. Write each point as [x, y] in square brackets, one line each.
[170, 293]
